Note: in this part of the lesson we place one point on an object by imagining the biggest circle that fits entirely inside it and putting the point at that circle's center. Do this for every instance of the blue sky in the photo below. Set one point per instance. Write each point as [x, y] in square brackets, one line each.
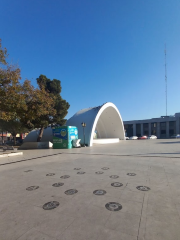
[101, 50]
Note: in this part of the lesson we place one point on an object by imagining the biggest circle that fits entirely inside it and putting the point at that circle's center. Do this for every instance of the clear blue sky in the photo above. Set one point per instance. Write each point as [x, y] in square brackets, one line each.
[101, 50]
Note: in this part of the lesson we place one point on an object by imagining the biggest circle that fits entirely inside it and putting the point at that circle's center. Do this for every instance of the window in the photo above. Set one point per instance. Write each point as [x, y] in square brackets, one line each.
[172, 124]
[163, 124]
[171, 132]
[153, 125]
[125, 126]
[145, 125]
[138, 129]
[153, 132]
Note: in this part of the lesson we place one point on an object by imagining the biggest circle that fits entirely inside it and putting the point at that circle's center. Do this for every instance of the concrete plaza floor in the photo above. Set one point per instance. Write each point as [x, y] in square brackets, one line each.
[145, 215]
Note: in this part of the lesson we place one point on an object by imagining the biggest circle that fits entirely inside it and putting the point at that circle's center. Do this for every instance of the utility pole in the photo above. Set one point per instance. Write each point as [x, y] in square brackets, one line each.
[165, 78]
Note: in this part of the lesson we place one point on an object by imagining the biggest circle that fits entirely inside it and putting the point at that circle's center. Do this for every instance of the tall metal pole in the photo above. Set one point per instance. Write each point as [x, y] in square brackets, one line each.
[165, 78]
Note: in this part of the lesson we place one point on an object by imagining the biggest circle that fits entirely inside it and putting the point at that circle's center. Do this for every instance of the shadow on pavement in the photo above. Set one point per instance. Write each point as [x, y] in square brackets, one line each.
[161, 153]
[168, 142]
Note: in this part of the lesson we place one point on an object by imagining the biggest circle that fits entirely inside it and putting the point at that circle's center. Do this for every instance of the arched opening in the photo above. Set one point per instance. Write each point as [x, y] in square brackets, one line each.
[108, 126]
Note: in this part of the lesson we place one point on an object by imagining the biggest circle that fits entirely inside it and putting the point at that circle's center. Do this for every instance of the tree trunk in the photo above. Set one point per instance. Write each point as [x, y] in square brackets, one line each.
[14, 137]
[40, 134]
[2, 137]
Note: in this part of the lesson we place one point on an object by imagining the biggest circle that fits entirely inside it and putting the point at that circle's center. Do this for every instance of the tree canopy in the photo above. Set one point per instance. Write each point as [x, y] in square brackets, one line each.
[53, 87]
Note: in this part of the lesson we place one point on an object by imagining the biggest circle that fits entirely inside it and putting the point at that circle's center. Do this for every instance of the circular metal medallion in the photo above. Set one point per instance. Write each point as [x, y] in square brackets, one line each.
[65, 176]
[116, 184]
[113, 206]
[50, 205]
[99, 172]
[28, 171]
[58, 184]
[99, 192]
[71, 191]
[32, 188]
[50, 174]
[77, 168]
[80, 172]
[131, 174]
[105, 168]
[114, 176]
[143, 188]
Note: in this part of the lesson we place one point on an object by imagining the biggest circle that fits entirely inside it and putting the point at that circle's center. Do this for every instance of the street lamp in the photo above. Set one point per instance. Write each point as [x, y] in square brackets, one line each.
[83, 125]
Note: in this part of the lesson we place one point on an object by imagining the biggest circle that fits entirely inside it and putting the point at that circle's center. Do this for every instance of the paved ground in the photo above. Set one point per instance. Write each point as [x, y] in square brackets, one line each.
[145, 215]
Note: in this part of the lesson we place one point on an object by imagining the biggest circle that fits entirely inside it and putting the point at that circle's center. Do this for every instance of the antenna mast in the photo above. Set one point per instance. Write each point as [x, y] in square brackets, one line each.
[165, 78]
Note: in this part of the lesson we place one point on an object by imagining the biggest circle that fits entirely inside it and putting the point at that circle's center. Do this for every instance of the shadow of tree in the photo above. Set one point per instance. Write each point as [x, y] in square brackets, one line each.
[168, 142]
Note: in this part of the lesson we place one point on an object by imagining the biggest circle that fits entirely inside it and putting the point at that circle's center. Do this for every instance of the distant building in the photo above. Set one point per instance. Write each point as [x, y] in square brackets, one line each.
[163, 127]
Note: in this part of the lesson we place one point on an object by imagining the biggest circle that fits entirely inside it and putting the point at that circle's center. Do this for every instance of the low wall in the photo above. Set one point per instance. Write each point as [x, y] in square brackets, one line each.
[36, 145]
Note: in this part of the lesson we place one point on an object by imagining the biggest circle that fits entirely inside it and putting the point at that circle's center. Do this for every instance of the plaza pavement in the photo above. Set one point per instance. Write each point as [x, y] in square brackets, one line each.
[145, 215]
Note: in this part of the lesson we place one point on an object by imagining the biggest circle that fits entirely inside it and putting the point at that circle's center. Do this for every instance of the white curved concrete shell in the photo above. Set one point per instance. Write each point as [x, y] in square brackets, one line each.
[33, 135]
[106, 119]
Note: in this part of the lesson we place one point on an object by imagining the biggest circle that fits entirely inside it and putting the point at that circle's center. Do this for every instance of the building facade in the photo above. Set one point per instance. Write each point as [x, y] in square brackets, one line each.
[163, 127]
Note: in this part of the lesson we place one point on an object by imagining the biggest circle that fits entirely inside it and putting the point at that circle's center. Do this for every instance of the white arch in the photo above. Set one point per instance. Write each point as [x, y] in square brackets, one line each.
[105, 118]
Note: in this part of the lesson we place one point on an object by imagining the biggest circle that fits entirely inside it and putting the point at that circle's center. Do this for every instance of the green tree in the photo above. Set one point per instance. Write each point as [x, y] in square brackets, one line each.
[40, 107]
[61, 106]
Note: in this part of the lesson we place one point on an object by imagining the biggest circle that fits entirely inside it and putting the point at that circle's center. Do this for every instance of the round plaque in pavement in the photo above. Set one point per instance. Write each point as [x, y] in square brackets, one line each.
[71, 191]
[58, 184]
[99, 192]
[50, 174]
[50, 205]
[99, 172]
[114, 176]
[116, 184]
[65, 176]
[113, 206]
[131, 174]
[32, 188]
[143, 188]
[77, 168]
[105, 168]
[80, 172]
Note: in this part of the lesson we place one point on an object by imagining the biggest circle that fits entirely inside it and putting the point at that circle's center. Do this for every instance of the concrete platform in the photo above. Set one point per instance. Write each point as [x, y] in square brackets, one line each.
[10, 154]
[105, 140]
[145, 215]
